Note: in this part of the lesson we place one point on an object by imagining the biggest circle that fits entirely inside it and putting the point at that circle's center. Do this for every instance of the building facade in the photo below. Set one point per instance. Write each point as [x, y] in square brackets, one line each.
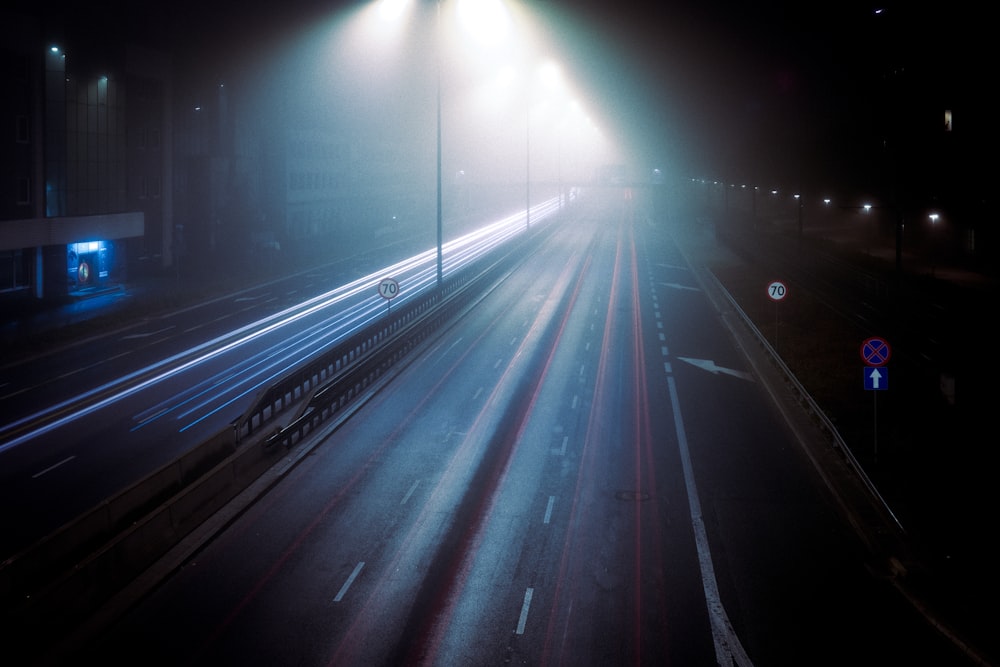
[85, 164]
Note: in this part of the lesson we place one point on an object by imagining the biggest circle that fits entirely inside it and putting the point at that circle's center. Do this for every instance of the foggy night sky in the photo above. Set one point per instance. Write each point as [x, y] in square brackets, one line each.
[770, 89]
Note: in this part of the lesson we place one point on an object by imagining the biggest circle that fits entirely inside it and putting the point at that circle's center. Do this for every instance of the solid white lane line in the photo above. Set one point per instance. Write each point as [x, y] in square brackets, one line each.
[524, 610]
[350, 580]
[728, 650]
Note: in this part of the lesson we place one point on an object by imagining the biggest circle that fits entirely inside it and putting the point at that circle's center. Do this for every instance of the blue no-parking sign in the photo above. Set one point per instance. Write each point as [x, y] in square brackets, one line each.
[875, 351]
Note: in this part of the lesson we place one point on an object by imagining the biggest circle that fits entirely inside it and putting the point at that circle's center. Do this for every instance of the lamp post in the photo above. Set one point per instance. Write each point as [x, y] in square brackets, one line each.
[440, 274]
[934, 218]
[527, 162]
[798, 199]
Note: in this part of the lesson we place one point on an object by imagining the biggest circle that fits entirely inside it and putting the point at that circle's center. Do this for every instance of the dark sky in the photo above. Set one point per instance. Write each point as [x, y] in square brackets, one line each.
[728, 89]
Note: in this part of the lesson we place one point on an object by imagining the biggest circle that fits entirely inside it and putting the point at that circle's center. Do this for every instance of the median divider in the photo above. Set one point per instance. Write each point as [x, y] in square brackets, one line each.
[55, 584]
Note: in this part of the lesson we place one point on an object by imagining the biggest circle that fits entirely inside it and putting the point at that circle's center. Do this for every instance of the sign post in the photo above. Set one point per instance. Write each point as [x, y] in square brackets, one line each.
[388, 289]
[875, 352]
[776, 291]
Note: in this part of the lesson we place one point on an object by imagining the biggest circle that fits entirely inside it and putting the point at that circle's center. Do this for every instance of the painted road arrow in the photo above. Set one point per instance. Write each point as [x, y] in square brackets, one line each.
[679, 286]
[711, 367]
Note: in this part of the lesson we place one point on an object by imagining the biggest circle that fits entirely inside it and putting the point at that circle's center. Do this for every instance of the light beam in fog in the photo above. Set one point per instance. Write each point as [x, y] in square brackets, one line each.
[352, 307]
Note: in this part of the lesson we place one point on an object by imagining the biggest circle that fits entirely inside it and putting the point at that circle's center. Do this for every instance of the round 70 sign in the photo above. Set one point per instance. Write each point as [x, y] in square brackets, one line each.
[388, 288]
[777, 290]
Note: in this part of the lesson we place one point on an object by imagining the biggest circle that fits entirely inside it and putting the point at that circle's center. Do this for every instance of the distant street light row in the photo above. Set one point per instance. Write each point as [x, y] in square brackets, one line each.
[933, 217]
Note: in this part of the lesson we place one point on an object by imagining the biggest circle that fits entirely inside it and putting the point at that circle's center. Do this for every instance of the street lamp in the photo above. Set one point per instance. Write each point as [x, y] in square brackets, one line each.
[798, 199]
[934, 218]
[440, 233]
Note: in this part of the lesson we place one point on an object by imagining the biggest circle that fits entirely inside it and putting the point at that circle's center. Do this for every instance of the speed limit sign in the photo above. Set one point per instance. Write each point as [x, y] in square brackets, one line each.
[388, 288]
[777, 290]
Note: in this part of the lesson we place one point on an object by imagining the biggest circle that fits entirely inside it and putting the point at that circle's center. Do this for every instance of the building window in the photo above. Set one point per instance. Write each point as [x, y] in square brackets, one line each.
[22, 130]
[23, 190]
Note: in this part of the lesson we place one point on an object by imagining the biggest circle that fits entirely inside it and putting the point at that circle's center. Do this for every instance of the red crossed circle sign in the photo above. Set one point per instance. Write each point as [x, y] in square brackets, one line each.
[875, 351]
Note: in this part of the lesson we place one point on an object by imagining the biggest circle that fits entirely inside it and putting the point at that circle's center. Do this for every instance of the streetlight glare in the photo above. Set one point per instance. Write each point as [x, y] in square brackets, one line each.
[486, 22]
[550, 71]
[392, 10]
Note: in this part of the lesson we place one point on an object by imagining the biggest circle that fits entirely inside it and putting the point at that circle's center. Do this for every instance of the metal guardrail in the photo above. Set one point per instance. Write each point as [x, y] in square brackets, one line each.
[359, 359]
[806, 398]
[415, 324]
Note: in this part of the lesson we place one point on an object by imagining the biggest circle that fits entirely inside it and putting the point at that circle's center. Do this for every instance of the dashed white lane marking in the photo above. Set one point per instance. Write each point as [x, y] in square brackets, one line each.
[146, 335]
[350, 580]
[410, 492]
[53, 467]
[524, 610]
[548, 509]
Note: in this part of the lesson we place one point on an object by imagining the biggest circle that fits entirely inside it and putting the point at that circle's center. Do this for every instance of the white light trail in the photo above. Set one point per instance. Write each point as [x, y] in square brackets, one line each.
[417, 274]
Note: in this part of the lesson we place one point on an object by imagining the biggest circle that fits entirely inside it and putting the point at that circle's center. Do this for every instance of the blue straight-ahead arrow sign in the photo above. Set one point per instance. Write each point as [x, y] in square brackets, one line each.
[876, 378]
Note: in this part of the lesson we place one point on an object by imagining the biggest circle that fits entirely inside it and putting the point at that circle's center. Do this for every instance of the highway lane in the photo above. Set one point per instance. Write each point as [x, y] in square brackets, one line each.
[76, 430]
[581, 472]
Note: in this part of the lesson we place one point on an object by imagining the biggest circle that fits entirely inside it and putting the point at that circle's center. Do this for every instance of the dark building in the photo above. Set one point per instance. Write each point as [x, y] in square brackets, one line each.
[85, 187]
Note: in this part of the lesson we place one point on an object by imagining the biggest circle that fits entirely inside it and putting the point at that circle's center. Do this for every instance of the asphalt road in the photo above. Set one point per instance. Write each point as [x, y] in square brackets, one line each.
[84, 421]
[586, 470]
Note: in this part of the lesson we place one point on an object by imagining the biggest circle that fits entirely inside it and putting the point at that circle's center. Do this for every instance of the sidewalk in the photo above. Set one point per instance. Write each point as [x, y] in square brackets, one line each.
[933, 464]
[850, 236]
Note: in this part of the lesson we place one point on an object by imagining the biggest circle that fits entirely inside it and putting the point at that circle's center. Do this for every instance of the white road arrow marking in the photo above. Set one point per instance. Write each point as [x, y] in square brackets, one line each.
[711, 367]
[679, 286]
